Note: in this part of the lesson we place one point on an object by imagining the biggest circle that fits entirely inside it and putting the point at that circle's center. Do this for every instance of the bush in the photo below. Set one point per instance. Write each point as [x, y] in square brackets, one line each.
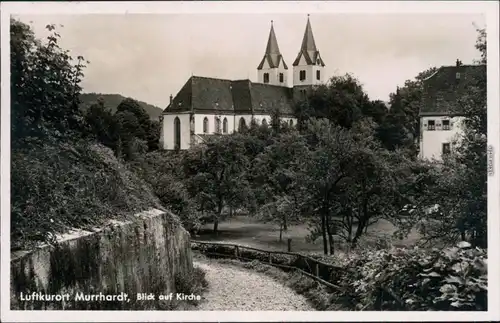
[193, 282]
[60, 186]
[418, 279]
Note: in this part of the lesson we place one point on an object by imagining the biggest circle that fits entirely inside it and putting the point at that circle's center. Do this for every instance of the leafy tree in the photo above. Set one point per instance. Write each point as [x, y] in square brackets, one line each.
[342, 100]
[45, 87]
[216, 174]
[102, 124]
[276, 169]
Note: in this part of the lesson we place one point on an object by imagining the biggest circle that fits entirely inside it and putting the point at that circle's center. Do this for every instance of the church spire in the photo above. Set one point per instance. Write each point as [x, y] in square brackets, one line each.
[308, 48]
[272, 55]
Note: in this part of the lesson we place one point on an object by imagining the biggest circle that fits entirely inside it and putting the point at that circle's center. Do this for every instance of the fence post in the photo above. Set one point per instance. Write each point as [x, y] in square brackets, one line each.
[289, 245]
[270, 258]
[236, 252]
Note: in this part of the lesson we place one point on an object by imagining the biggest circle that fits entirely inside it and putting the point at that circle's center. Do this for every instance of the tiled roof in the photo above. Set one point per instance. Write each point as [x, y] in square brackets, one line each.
[272, 55]
[203, 94]
[308, 49]
[444, 89]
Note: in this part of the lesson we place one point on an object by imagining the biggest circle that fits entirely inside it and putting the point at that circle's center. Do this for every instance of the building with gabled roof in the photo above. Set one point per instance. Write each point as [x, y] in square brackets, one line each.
[441, 113]
[205, 106]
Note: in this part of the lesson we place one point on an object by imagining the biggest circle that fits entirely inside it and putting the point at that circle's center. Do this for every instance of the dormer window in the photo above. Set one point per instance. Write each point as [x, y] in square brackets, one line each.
[266, 77]
[457, 75]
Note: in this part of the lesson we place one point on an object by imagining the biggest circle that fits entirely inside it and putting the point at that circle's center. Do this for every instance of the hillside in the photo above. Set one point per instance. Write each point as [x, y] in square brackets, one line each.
[113, 100]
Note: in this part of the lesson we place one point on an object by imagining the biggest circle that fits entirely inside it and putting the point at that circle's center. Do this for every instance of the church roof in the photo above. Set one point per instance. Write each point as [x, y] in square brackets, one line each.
[212, 95]
[444, 89]
[272, 55]
[308, 49]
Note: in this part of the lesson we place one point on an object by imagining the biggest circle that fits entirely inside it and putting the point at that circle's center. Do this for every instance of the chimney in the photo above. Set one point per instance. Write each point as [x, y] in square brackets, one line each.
[459, 63]
[171, 98]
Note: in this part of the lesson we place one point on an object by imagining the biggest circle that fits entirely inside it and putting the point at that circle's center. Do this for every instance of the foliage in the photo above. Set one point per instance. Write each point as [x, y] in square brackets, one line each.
[45, 87]
[342, 100]
[418, 279]
[113, 100]
[215, 174]
[56, 187]
[192, 282]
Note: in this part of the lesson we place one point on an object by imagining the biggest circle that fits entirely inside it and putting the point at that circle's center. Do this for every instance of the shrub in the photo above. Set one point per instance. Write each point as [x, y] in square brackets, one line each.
[59, 186]
[193, 282]
[418, 279]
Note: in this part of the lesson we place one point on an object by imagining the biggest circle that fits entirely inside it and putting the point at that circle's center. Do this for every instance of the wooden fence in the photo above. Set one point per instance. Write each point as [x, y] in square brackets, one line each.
[320, 271]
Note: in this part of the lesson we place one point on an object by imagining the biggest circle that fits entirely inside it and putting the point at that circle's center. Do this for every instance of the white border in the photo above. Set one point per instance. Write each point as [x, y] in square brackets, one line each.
[489, 8]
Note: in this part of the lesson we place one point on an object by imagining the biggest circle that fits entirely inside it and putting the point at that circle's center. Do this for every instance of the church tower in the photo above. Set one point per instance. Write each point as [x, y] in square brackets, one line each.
[272, 68]
[308, 67]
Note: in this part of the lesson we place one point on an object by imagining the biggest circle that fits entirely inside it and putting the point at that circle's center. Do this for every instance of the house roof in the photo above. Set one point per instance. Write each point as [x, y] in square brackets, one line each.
[211, 95]
[272, 55]
[443, 90]
[308, 49]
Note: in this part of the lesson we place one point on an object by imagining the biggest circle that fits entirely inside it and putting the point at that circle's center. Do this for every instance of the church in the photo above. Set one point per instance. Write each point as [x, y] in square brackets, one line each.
[206, 106]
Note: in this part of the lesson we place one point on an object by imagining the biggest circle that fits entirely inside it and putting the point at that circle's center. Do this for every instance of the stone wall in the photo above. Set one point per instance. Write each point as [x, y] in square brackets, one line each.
[142, 255]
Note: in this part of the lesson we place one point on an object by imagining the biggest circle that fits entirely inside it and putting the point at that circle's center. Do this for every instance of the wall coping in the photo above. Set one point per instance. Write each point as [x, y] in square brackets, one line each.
[74, 233]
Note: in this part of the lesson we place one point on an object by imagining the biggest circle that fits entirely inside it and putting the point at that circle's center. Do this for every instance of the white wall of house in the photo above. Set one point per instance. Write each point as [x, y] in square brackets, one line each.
[311, 78]
[168, 131]
[431, 141]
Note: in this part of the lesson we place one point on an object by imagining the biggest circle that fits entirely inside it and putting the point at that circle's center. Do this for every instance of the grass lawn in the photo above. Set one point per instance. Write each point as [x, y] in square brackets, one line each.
[245, 230]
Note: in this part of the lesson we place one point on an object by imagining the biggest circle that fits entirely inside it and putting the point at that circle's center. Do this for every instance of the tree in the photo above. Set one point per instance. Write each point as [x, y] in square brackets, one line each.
[45, 87]
[276, 170]
[101, 124]
[401, 127]
[216, 174]
[324, 168]
[342, 101]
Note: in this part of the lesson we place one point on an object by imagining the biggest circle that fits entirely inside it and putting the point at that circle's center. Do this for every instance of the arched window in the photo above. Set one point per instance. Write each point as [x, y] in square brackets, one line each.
[205, 125]
[242, 124]
[291, 122]
[217, 124]
[224, 125]
[177, 133]
[264, 122]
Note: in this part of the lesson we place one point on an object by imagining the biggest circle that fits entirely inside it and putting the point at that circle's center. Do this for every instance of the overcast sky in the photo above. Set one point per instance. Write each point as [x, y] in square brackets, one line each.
[149, 57]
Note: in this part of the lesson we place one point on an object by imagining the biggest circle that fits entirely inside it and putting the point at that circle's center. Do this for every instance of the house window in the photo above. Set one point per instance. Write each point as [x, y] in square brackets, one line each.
[431, 125]
[205, 125]
[446, 148]
[264, 122]
[318, 75]
[302, 75]
[282, 78]
[446, 124]
[224, 125]
[266, 77]
[457, 76]
[217, 125]
[242, 125]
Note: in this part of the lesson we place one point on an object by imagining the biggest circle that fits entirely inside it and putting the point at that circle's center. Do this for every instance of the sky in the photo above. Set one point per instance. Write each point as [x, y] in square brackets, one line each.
[149, 57]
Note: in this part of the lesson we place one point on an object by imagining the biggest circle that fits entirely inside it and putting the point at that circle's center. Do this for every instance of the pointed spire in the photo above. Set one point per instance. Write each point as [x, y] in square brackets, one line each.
[308, 48]
[272, 55]
[272, 43]
[308, 43]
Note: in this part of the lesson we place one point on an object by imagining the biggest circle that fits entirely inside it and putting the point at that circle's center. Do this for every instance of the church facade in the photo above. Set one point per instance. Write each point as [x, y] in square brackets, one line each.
[208, 106]
[441, 114]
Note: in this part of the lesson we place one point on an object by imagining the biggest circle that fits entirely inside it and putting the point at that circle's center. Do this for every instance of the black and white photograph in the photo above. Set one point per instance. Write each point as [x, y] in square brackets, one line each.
[249, 161]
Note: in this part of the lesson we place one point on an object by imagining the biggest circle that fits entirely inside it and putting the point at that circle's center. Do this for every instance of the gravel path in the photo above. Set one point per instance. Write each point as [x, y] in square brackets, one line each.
[239, 289]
